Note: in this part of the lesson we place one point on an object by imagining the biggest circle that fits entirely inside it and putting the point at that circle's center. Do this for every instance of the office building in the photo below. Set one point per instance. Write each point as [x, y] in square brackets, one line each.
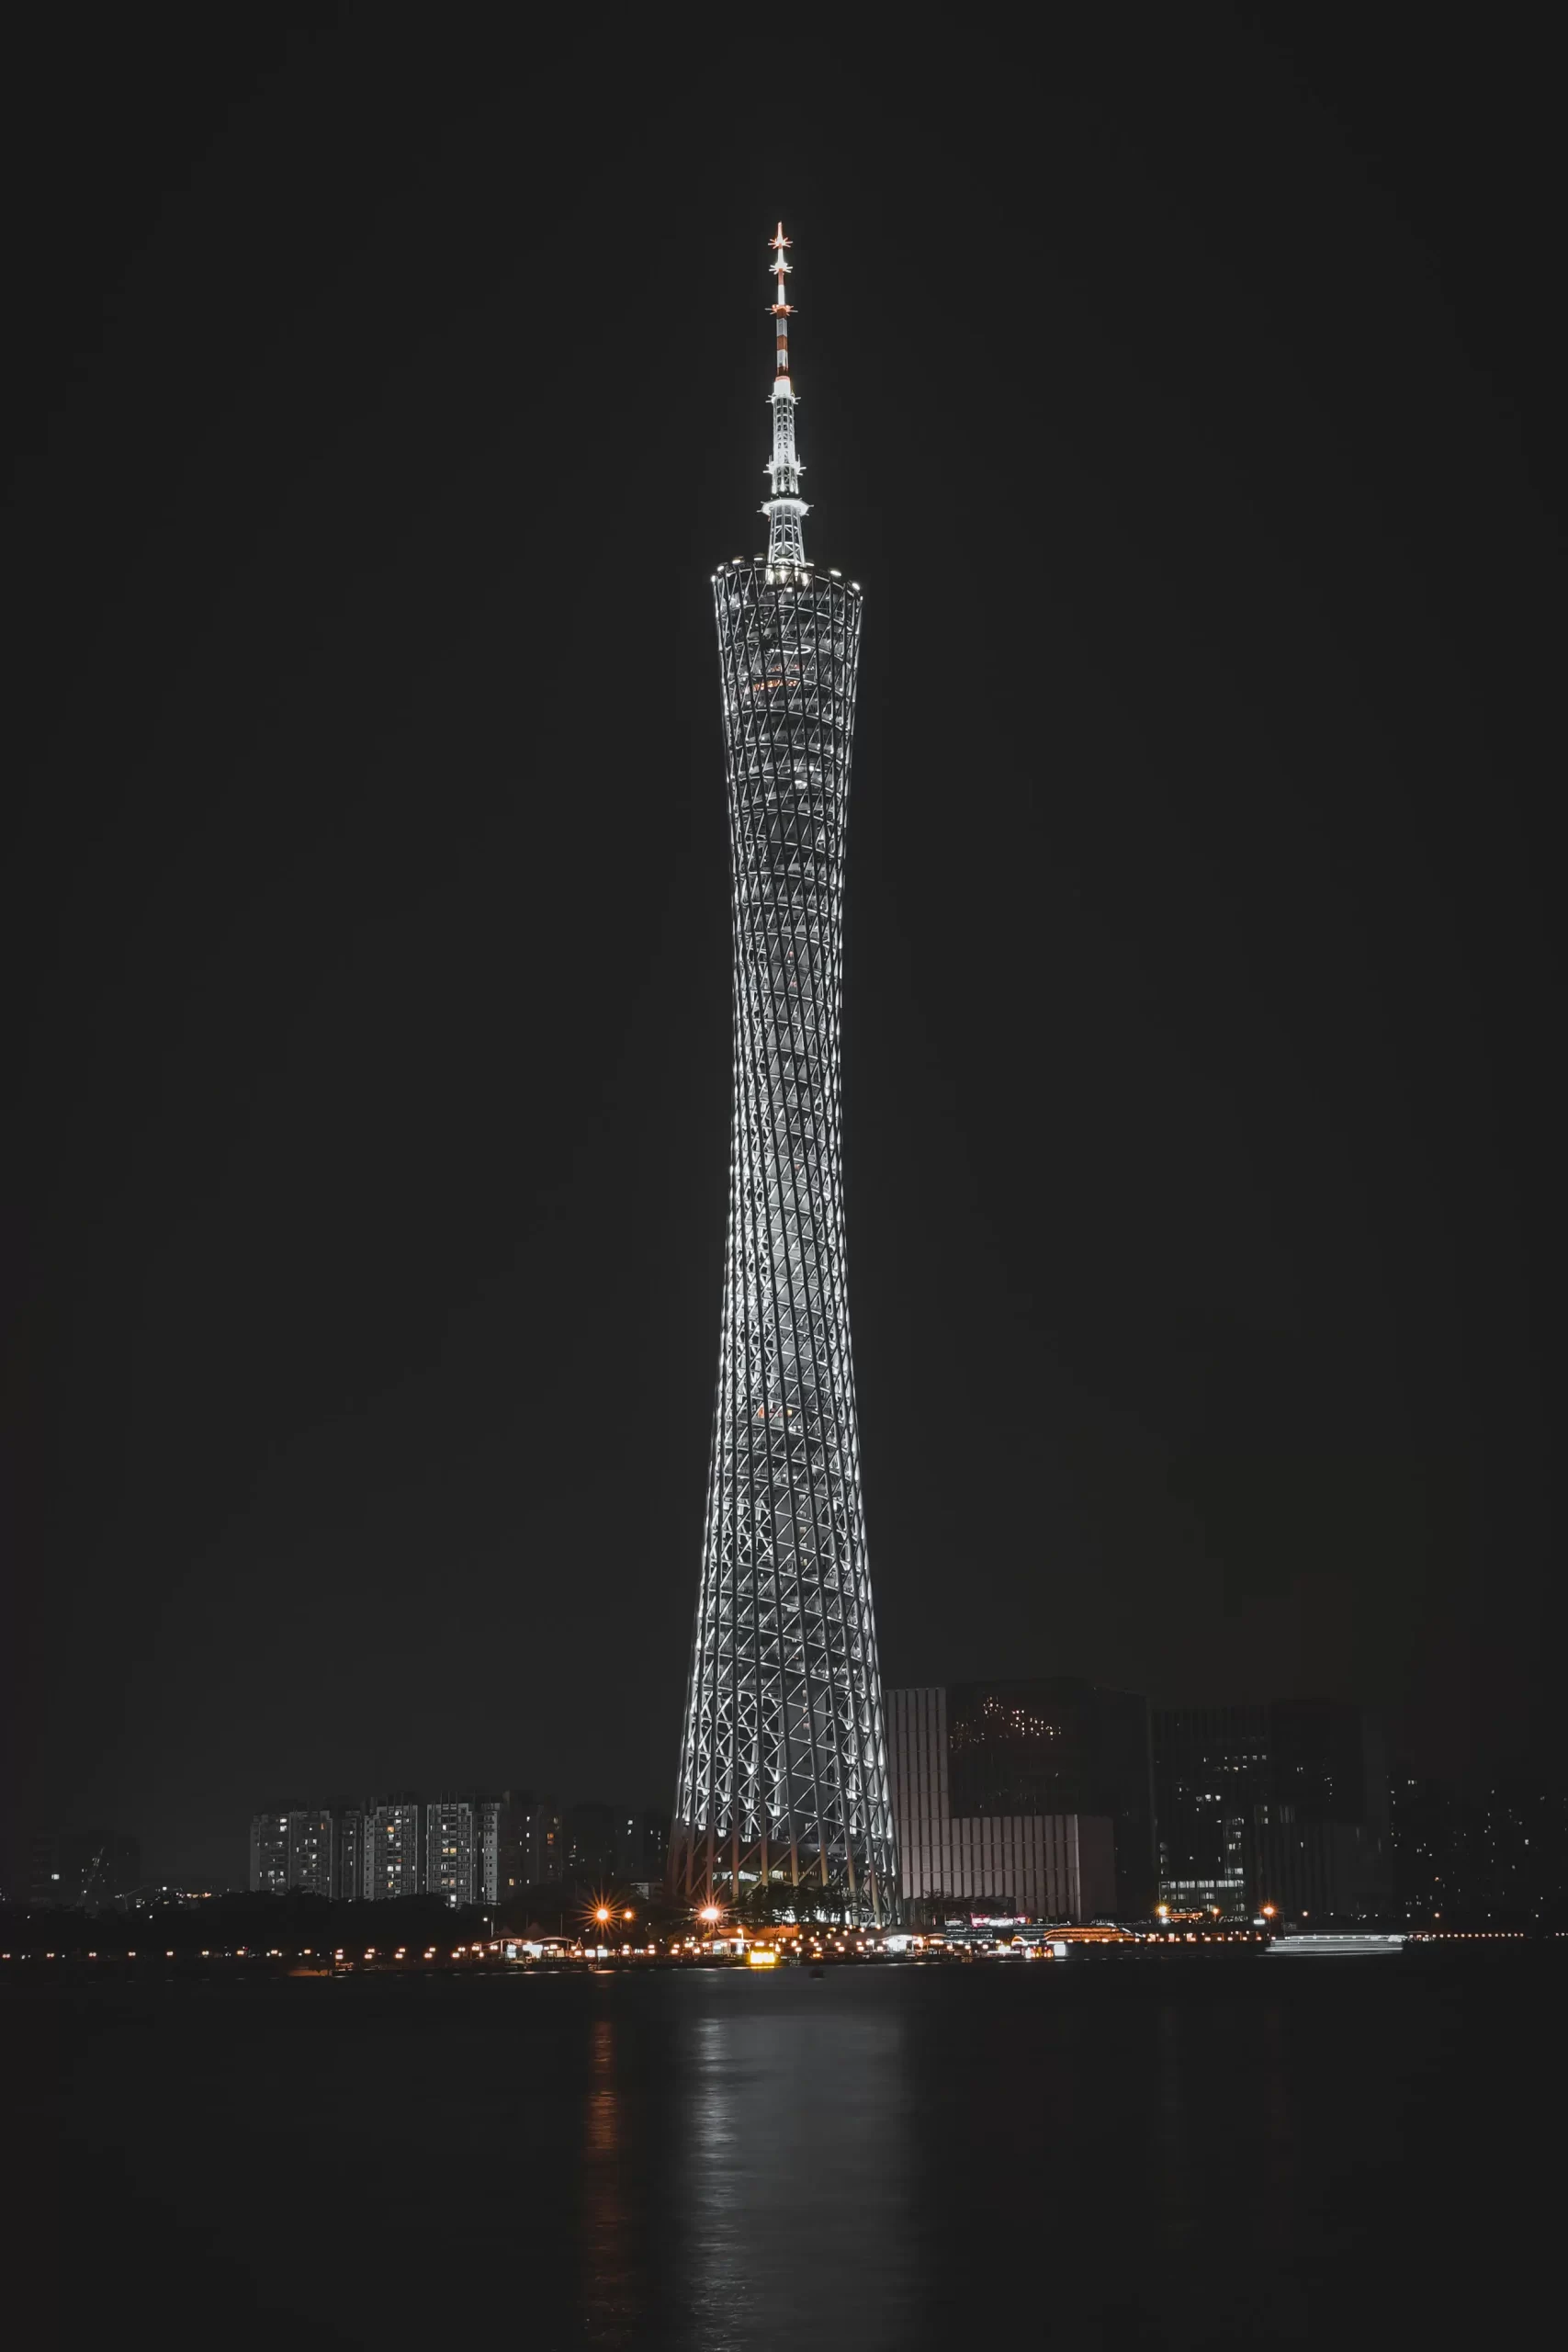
[1051, 1747]
[980, 1776]
[1213, 1770]
[1285, 1804]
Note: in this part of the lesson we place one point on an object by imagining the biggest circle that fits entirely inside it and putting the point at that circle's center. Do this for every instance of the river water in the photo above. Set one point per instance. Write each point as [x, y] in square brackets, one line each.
[1173, 2152]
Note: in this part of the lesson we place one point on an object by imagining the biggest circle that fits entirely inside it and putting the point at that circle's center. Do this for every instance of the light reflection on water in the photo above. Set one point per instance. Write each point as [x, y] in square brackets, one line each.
[614, 2287]
[711, 2163]
[744, 2169]
[792, 2170]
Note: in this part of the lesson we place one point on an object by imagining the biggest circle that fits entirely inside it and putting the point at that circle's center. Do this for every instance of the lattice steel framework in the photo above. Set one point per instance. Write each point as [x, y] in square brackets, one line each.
[783, 1762]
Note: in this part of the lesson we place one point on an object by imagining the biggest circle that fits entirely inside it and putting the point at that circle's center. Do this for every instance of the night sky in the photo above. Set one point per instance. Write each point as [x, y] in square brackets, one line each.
[379, 401]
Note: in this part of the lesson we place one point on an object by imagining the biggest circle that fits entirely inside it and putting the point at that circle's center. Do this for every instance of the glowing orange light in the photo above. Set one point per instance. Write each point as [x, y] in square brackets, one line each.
[602, 1915]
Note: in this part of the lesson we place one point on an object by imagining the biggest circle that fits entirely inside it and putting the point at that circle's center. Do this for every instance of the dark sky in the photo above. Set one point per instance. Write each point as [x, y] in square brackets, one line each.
[379, 401]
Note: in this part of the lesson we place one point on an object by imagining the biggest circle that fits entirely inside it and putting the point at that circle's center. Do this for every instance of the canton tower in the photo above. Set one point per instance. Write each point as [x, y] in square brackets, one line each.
[783, 1763]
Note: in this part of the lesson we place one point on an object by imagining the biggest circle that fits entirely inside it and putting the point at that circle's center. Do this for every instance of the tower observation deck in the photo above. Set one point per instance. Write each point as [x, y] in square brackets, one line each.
[783, 1762]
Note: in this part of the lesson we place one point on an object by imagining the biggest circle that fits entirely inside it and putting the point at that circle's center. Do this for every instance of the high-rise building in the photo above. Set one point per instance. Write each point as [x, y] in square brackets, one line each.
[352, 1854]
[783, 1763]
[546, 1847]
[629, 1844]
[1056, 1744]
[1213, 1771]
[450, 1855]
[592, 1843]
[642, 1843]
[500, 1828]
[1521, 1852]
[491, 1823]
[1496, 1856]
[1285, 1803]
[311, 1853]
[294, 1849]
[653, 1829]
[1026, 1794]
[269, 1853]
[520, 1844]
[1328, 1761]
[391, 1836]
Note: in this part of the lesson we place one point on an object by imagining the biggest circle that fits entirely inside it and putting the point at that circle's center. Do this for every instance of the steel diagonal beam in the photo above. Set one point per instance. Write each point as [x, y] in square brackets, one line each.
[787, 1161]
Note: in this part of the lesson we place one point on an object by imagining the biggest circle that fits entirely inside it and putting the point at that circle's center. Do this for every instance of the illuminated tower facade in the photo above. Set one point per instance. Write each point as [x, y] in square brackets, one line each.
[783, 1762]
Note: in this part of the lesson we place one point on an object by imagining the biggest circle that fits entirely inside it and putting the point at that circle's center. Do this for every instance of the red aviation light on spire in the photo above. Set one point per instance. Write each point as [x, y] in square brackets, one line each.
[784, 507]
[781, 310]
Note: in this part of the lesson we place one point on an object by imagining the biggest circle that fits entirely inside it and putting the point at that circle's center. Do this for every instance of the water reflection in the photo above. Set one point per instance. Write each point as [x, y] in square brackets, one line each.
[612, 2236]
[1116, 2157]
[792, 2211]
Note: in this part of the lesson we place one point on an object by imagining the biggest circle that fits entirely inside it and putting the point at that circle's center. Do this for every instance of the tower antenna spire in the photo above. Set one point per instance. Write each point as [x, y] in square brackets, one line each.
[781, 311]
[785, 508]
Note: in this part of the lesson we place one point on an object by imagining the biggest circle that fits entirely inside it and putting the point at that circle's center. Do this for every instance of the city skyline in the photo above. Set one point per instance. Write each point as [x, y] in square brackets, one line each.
[429, 1017]
[368, 944]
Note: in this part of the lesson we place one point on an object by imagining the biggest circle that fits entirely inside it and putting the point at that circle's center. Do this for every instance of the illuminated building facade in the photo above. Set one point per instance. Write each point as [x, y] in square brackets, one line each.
[467, 1849]
[1284, 1803]
[973, 1827]
[352, 1854]
[294, 1851]
[269, 1853]
[494, 1848]
[391, 1840]
[1213, 1778]
[450, 1850]
[1057, 1744]
[520, 1844]
[784, 1765]
[311, 1849]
